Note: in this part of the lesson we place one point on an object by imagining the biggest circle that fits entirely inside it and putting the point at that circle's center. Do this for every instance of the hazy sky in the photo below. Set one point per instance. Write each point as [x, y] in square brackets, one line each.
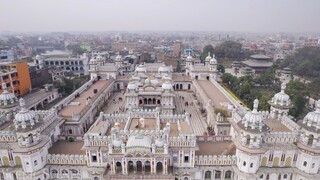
[160, 15]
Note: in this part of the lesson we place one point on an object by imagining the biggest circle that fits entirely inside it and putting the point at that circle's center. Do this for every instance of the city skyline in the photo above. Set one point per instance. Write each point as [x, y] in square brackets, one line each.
[141, 15]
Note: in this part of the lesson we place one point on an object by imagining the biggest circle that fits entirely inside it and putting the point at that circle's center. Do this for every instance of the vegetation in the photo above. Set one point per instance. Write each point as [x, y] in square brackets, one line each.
[71, 139]
[76, 49]
[70, 83]
[306, 64]
[223, 113]
[228, 50]
[263, 87]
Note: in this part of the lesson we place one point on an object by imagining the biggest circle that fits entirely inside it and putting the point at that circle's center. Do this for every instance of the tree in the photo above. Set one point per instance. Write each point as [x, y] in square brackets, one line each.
[206, 50]
[298, 93]
[178, 66]
[221, 68]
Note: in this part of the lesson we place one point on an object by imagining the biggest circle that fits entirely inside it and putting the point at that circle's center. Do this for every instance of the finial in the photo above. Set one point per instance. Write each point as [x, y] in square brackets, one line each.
[283, 87]
[255, 105]
[22, 103]
[4, 86]
[209, 53]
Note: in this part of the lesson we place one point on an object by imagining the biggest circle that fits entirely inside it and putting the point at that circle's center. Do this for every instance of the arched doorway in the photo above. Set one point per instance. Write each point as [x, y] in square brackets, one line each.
[158, 102]
[154, 101]
[145, 101]
[5, 161]
[139, 166]
[118, 167]
[208, 77]
[130, 166]
[140, 102]
[149, 101]
[196, 77]
[177, 86]
[159, 168]
[180, 86]
[147, 167]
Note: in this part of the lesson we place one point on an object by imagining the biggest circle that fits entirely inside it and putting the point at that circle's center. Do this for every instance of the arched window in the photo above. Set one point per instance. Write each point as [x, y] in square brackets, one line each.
[54, 171]
[218, 174]
[285, 176]
[228, 175]
[313, 164]
[244, 163]
[305, 163]
[251, 165]
[35, 162]
[261, 176]
[64, 171]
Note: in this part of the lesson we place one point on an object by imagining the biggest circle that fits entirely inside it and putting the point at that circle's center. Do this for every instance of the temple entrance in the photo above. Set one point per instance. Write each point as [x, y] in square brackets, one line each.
[130, 166]
[159, 168]
[139, 166]
[118, 167]
[147, 167]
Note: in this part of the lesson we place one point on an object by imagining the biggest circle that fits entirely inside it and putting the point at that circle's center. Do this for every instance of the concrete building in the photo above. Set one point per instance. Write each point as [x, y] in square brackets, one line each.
[16, 76]
[77, 65]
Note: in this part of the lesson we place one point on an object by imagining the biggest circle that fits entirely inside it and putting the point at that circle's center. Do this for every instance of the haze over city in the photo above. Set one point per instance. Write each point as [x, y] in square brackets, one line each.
[164, 15]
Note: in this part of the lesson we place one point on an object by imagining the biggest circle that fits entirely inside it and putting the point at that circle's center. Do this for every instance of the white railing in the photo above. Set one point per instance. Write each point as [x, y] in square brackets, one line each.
[67, 159]
[215, 160]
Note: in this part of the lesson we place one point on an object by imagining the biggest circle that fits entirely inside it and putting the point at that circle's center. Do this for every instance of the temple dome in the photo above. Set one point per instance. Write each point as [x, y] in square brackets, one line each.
[132, 86]
[118, 57]
[189, 58]
[24, 117]
[6, 97]
[208, 58]
[312, 119]
[213, 60]
[281, 98]
[163, 68]
[166, 86]
[254, 118]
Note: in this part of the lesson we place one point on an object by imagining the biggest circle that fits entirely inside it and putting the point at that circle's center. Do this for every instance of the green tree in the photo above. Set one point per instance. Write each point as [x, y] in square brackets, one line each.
[298, 93]
[221, 68]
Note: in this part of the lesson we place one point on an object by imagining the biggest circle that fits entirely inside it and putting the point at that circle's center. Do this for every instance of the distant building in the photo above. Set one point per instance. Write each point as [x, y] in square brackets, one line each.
[77, 65]
[6, 55]
[257, 64]
[16, 76]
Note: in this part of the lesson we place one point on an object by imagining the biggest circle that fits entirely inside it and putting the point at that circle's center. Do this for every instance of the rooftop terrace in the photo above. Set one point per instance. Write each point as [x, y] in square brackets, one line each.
[78, 104]
[215, 148]
[66, 147]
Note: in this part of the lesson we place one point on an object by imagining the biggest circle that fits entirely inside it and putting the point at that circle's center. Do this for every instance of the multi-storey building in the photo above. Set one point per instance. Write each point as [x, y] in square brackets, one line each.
[157, 124]
[77, 65]
[16, 76]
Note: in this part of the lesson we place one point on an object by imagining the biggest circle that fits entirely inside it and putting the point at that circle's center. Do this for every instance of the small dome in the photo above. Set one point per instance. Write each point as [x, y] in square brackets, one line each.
[118, 57]
[147, 81]
[132, 86]
[189, 58]
[213, 60]
[166, 86]
[159, 143]
[135, 78]
[163, 68]
[312, 119]
[139, 141]
[166, 77]
[254, 118]
[141, 68]
[281, 98]
[24, 116]
[6, 97]
[208, 58]
[38, 57]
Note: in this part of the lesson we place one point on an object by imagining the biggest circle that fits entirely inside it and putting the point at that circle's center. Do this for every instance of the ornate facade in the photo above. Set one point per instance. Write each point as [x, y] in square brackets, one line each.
[154, 123]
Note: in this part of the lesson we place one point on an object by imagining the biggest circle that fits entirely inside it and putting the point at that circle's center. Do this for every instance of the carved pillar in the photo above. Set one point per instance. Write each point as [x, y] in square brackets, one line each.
[113, 167]
[124, 166]
[165, 166]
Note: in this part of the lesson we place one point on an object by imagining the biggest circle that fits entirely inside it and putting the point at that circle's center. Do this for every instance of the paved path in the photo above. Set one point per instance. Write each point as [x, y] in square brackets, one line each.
[218, 98]
[197, 121]
[114, 106]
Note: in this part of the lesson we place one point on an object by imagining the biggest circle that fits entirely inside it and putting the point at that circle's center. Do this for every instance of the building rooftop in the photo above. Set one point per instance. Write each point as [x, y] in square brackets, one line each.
[276, 126]
[36, 96]
[256, 64]
[215, 148]
[150, 124]
[78, 104]
[66, 147]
